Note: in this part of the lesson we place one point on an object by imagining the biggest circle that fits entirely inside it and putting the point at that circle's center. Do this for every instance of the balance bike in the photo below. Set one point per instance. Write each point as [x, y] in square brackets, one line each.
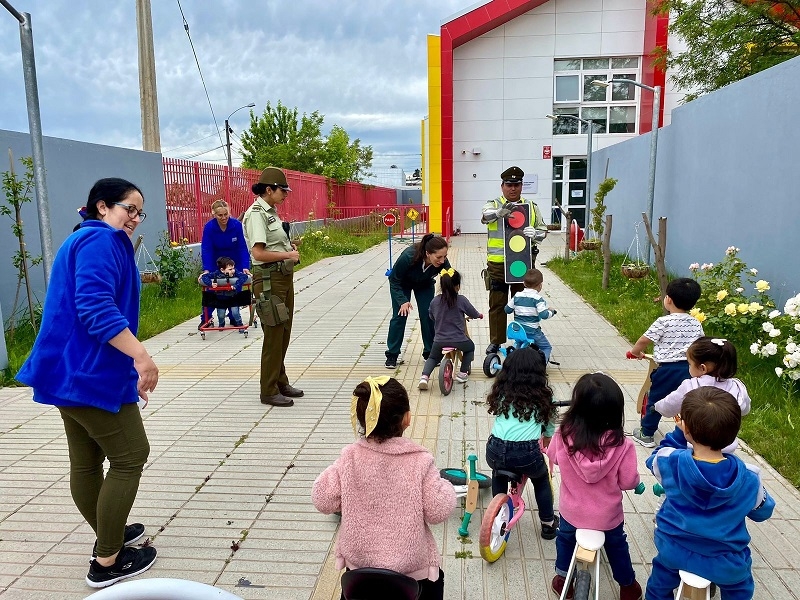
[641, 399]
[447, 369]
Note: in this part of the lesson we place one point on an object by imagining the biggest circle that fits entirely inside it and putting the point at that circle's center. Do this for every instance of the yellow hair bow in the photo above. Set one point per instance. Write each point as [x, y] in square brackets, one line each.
[451, 271]
[373, 407]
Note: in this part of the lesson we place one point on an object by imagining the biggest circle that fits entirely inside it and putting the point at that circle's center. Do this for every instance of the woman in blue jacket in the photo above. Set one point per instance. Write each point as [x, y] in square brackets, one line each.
[87, 362]
[223, 236]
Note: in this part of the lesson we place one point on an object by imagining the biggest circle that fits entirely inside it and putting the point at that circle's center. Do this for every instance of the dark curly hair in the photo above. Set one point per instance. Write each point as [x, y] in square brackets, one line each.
[522, 389]
[596, 415]
[394, 406]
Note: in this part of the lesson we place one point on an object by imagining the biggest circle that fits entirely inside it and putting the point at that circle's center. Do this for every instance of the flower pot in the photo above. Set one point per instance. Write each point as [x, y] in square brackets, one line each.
[634, 271]
[150, 276]
[591, 244]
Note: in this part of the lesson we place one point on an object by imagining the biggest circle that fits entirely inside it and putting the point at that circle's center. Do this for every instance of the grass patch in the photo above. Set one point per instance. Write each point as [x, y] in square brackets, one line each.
[631, 306]
[158, 314]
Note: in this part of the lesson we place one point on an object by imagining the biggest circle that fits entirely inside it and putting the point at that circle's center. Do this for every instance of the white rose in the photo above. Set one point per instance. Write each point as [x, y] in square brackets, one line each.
[791, 347]
[774, 313]
[771, 349]
[775, 333]
[778, 371]
[794, 375]
[754, 271]
[754, 348]
[767, 326]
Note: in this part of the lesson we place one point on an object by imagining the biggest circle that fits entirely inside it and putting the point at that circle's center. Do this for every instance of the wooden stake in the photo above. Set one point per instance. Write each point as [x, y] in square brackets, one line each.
[607, 250]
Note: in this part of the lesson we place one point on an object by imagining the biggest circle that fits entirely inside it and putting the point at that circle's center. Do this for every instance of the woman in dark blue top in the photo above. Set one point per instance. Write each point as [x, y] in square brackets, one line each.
[87, 362]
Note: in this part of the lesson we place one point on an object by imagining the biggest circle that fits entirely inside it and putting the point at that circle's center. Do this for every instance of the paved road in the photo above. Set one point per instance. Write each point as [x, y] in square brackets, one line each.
[224, 468]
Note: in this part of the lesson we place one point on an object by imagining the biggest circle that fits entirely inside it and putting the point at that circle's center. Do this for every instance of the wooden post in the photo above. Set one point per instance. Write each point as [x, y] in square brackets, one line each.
[659, 250]
[607, 252]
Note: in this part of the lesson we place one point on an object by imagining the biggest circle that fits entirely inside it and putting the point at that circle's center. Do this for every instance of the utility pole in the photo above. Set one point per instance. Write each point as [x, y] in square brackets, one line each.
[151, 139]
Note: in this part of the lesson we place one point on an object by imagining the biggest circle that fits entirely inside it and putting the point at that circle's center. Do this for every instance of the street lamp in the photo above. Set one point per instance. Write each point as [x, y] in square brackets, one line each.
[228, 131]
[589, 129]
[651, 184]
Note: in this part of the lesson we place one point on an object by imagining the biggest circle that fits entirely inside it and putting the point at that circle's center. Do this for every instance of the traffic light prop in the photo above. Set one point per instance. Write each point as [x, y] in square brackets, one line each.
[517, 247]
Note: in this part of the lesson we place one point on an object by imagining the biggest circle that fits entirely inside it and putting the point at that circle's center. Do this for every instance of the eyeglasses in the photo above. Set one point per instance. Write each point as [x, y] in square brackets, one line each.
[678, 418]
[133, 212]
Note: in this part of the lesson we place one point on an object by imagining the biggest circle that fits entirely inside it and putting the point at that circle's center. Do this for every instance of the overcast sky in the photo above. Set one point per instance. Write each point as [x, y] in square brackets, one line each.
[361, 63]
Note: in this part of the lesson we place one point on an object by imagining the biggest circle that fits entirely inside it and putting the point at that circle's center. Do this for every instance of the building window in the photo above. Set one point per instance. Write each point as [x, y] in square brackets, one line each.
[612, 109]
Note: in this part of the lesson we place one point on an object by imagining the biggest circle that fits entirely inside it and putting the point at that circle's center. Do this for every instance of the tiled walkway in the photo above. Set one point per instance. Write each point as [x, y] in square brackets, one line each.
[224, 468]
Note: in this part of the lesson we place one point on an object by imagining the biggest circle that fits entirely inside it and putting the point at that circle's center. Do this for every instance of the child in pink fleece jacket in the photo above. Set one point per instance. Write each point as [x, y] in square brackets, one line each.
[388, 490]
[597, 462]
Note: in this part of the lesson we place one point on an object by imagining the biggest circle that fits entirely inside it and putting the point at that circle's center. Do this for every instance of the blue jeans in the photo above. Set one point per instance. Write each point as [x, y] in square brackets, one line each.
[524, 458]
[236, 316]
[616, 547]
[664, 380]
[538, 337]
[664, 579]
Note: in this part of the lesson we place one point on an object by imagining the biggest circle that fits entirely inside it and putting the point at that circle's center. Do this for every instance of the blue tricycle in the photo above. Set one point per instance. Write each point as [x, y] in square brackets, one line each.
[493, 362]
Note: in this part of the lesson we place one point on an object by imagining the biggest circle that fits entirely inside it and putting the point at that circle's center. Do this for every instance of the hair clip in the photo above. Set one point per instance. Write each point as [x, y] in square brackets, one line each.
[82, 212]
[373, 410]
[718, 341]
[451, 271]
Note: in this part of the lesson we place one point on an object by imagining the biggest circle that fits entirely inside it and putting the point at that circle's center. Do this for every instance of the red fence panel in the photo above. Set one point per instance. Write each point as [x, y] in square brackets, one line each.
[191, 188]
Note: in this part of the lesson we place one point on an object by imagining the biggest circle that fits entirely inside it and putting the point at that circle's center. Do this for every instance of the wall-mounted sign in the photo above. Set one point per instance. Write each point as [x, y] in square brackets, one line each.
[577, 193]
[530, 184]
[547, 152]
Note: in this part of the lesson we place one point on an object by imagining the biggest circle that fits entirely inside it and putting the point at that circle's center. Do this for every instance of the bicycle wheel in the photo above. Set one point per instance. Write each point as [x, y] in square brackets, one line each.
[583, 584]
[459, 477]
[446, 373]
[494, 527]
[491, 365]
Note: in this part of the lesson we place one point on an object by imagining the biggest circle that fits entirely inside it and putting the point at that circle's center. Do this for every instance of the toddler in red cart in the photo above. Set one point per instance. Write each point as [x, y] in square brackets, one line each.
[226, 274]
[447, 311]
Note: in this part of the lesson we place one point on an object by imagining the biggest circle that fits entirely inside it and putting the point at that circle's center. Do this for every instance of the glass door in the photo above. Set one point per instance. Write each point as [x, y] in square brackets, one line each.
[569, 188]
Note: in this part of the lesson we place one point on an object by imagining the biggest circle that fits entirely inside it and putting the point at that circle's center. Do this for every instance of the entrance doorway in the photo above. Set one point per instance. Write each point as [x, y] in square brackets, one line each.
[569, 187]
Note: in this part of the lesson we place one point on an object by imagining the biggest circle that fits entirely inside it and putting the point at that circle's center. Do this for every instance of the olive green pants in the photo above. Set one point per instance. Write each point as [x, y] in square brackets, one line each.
[93, 435]
[498, 298]
[276, 337]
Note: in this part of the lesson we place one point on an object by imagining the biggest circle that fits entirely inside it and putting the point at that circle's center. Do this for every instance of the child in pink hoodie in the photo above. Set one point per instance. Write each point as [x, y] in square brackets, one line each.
[388, 491]
[597, 462]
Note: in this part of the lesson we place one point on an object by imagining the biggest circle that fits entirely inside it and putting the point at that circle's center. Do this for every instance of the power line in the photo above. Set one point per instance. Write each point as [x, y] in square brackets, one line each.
[197, 61]
[202, 152]
[189, 144]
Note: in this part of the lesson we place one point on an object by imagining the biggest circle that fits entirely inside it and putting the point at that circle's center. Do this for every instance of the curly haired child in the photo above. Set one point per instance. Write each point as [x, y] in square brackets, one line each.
[385, 519]
[522, 401]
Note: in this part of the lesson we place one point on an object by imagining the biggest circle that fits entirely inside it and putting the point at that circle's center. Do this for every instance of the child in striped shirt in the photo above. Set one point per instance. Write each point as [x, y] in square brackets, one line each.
[529, 308]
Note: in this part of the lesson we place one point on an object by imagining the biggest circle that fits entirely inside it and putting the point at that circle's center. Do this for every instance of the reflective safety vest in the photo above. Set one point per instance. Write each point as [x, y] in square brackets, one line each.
[495, 242]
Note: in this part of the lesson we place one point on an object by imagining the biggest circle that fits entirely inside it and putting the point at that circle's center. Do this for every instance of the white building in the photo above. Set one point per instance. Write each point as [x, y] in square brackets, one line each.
[500, 67]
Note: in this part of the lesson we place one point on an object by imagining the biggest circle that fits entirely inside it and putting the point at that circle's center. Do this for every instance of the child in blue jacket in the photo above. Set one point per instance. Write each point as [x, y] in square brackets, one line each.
[226, 274]
[701, 528]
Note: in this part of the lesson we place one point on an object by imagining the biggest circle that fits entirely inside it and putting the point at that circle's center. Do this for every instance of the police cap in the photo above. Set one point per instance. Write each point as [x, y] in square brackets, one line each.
[512, 175]
[274, 176]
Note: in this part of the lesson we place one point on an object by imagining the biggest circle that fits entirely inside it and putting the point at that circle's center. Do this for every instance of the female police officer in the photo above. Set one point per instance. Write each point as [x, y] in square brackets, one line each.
[272, 258]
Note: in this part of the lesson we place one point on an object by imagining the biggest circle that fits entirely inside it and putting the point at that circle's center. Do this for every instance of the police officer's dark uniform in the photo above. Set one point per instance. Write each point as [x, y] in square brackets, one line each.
[272, 268]
[492, 212]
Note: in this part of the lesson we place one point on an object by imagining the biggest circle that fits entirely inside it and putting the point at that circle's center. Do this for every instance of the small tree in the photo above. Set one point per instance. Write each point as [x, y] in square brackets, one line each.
[599, 208]
[18, 192]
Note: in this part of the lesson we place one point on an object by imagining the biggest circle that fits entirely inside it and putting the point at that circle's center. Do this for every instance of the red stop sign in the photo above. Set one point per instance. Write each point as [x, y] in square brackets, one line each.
[389, 220]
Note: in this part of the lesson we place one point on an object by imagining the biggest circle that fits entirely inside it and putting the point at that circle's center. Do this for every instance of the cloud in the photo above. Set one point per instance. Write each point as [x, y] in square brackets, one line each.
[363, 65]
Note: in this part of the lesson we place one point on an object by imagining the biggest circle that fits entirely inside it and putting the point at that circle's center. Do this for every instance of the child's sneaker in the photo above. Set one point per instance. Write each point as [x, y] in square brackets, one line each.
[630, 592]
[558, 587]
[645, 440]
[462, 377]
[130, 562]
[423, 383]
[133, 533]
[549, 531]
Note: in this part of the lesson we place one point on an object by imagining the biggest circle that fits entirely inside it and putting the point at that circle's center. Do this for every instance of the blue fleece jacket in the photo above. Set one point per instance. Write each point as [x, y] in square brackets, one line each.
[703, 515]
[230, 243]
[93, 295]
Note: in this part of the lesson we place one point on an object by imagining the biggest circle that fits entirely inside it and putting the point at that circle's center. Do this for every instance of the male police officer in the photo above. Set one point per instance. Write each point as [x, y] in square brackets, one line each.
[272, 257]
[493, 211]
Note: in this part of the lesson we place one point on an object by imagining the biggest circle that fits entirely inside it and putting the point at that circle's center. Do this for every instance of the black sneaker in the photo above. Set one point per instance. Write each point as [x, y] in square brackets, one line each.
[130, 562]
[549, 531]
[492, 348]
[133, 533]
[391, 363]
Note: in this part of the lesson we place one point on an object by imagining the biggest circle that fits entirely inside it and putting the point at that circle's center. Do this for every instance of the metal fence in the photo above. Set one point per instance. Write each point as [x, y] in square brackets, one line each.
[191, 188]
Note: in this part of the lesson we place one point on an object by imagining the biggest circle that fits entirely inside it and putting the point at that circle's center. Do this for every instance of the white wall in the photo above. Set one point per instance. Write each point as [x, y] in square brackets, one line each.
[503, 88]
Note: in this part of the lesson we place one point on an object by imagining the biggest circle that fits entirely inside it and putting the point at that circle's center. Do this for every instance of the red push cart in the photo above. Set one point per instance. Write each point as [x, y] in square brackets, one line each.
[226, 296]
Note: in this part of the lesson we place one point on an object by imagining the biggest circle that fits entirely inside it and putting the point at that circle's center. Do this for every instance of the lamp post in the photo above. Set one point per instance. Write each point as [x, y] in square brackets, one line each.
[228, 132]
[651, 183]
[35, 127]
[589, 129]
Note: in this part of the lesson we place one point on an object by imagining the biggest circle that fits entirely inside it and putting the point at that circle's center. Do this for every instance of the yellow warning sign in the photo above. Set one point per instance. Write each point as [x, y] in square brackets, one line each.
[412, 214]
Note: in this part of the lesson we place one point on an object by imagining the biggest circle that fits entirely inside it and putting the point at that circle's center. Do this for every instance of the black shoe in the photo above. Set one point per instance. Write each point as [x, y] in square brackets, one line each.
[133, 533]
[391, 362]
[290, 392]
[277, 400]
[425, 355]
[492, 348]
[239, 324]
[130, 562]
[549, 531]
